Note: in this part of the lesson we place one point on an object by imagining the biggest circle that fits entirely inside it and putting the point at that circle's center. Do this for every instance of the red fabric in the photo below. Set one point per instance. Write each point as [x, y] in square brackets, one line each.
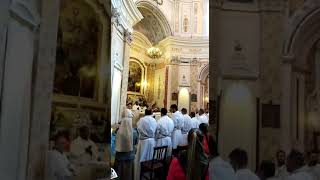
[206, 146]
[176, 171]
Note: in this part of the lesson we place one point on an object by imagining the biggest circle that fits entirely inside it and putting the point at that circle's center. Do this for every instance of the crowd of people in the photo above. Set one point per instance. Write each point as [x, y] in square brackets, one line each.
[200, 160]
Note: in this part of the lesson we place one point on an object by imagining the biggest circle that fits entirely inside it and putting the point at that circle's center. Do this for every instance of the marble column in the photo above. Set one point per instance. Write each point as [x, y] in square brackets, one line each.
[125, 72]
[285, 114]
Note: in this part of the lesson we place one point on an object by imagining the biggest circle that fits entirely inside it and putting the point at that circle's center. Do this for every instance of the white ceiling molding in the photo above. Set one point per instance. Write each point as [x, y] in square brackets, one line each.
[129, 13]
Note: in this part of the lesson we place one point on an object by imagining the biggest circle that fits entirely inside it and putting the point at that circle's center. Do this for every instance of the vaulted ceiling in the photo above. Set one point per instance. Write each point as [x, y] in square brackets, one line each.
[150, 26]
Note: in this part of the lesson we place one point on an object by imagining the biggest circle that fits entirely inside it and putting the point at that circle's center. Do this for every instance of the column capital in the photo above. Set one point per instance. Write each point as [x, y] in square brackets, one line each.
[115, 15]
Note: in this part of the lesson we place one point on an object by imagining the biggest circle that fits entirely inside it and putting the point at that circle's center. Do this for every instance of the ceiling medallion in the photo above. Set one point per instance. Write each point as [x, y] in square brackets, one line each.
[159, 2]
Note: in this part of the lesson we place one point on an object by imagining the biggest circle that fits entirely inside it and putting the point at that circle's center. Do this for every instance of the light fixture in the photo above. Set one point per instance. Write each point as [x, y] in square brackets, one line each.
[154, 52]
[144, 83]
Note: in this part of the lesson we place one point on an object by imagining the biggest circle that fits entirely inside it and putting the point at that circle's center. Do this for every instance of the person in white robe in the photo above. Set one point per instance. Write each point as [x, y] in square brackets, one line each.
[297, 168]
[202, 117]
[164, 130]
[194, 120]
[146, 127]
[187, 125]
[281, 169]
[59, 167]
[82, 149]
[239, 162]
[124, 157]
[219, 169]
[178, 121]
[313, 165]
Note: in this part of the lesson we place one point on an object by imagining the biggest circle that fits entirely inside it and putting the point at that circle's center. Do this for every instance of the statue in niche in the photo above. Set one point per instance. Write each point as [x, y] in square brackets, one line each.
[185, 24]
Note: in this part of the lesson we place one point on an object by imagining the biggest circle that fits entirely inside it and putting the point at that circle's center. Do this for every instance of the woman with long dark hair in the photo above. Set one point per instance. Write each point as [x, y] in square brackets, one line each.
[191, 164]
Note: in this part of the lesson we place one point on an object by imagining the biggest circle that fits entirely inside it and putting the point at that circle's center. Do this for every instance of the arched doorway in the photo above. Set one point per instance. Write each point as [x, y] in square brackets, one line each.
[203, 88]
[184, 99]
[298, 79]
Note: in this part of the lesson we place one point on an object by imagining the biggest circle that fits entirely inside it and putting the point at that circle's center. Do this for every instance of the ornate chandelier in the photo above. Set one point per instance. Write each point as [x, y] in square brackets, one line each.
[154, 52]
[160, 2]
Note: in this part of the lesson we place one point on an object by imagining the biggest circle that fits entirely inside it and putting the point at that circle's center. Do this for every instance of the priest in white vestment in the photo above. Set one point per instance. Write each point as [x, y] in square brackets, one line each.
[59, 167]
[146, 127]
[194, 120]
[203, 118]
[296, 167]
[164, 130]
[187, 125]
[178, 121]
[239, 162]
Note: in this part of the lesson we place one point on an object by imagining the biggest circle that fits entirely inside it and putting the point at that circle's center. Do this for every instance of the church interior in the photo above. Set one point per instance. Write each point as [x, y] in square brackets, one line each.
[83, 82]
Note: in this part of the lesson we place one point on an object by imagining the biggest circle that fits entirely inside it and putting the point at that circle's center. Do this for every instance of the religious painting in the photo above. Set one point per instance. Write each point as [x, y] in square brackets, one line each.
[194, 98]
[77, 50]
[174, 96]
[69, 120]
[135, 77]
[270, 116]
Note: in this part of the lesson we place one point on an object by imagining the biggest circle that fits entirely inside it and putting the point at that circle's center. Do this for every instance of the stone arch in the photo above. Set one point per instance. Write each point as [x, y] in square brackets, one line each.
[303, 31]
[161, 27]
[204, 73]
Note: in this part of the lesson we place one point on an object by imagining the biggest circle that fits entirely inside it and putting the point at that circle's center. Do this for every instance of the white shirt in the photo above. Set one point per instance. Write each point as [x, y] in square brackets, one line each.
[178, 120]
[281, 172]
[165, 126]
[315, 171]
[78, 150]
[203, 119]
[195, 122]
[59, 167]
[177, 138]
[301, 174]
[220, 170]
[187, 124]
[246, 174]
[146, 127]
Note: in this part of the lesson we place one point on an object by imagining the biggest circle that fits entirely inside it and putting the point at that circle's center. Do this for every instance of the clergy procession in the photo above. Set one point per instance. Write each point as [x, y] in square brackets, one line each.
[190, 152]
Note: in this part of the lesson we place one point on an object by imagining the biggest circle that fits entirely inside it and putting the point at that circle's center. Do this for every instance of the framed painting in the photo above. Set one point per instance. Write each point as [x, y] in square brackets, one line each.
[193, 97]
[270, 116]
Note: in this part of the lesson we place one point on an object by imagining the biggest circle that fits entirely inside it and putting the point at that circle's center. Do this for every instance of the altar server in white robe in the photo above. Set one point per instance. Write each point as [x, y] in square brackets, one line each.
[164, 131]
[297, 168]
[194, 120]
[178, 121]
[203, 118]
[59, 167]
[146, 127]
[187, 125]
[239, 162]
